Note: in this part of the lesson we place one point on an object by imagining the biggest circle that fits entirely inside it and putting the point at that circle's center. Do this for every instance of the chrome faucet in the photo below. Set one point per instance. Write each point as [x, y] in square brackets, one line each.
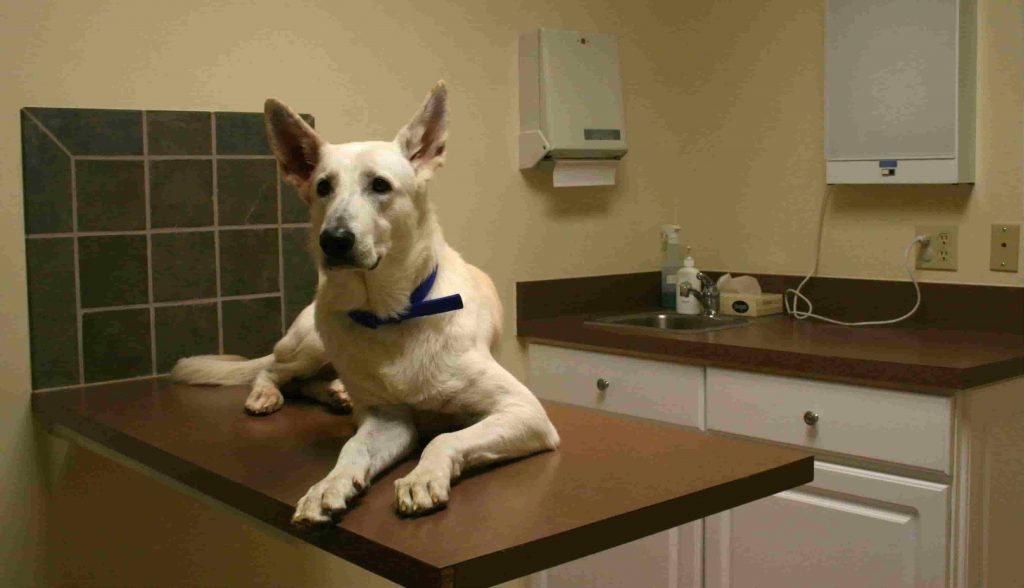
[707, 295]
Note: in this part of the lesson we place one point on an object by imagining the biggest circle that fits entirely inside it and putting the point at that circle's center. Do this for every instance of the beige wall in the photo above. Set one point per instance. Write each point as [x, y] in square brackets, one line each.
[724, 112]
[750, 117]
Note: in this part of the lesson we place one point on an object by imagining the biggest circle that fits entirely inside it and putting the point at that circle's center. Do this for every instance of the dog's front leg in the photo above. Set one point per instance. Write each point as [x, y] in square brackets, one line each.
[299, 354]
[384, 437]
[516, 426]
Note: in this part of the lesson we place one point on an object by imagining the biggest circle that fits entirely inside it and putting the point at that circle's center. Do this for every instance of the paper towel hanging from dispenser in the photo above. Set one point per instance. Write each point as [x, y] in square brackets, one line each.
[570, 106]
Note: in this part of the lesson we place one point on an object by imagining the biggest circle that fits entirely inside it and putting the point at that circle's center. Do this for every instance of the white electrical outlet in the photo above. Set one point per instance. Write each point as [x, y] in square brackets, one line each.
[940, 253]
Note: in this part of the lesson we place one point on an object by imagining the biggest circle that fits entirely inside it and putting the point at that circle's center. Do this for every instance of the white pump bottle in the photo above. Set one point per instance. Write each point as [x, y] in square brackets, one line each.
[686, 278]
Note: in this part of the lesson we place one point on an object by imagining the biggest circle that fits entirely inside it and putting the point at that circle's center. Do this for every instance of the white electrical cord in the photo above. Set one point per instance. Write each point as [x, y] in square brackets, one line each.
[809, 313]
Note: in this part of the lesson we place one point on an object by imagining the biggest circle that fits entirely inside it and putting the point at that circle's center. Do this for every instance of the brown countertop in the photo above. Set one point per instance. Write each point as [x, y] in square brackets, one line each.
[962, 335]
[917, 359]
[615, 479]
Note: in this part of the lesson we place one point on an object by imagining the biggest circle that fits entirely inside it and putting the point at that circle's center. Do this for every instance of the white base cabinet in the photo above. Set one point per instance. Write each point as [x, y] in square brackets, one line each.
[849, 528]
[637, 387]
[671, 559]
[952, 518]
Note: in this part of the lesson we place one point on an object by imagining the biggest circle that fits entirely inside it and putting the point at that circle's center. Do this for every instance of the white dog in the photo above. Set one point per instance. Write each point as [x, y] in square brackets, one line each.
[405, 321]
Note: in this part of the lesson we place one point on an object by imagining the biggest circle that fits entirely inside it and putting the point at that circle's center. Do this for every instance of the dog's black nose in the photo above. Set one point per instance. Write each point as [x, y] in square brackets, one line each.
[337, 244]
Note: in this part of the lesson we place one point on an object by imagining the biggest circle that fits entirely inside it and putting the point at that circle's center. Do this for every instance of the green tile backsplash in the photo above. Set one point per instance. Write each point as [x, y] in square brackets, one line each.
[113, 270]
[51, 309]
[116, 344]
[47, 181]
[241, 133]
[151, 235]
[186, 330]
[89, 131]
[247, 190]
[244, 336]
[299, 274]
[184, 266]
[181, 193]
[111, 195]
[179, 133]
[249, 261]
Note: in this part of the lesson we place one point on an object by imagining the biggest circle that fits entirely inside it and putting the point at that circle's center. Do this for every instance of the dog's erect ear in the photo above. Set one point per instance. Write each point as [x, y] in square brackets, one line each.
[423, 139]
[295, 143]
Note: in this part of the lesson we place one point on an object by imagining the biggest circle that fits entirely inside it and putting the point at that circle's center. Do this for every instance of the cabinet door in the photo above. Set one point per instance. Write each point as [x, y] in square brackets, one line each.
[671, 559]
[891, 79]
[849, 527]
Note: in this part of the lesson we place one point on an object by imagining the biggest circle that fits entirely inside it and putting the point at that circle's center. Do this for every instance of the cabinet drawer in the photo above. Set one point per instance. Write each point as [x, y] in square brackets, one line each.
[898, 427]
[650, 389]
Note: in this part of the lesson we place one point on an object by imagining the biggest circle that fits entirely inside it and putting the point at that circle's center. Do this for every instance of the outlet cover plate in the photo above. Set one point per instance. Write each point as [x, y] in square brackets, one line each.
[1005, 254]
[941, 251]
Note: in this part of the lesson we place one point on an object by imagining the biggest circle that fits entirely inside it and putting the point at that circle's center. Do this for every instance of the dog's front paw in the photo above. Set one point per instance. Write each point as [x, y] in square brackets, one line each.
[264, 399]
[338, 398]
[327, 500]
[422, 491]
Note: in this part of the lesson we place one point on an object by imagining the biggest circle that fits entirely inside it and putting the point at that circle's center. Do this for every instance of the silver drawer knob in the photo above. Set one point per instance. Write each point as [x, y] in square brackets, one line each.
[811, 418]
[602, 384]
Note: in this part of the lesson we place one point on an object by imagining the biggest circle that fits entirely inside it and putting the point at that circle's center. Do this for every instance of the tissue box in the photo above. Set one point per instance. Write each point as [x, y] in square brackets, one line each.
[750, 304]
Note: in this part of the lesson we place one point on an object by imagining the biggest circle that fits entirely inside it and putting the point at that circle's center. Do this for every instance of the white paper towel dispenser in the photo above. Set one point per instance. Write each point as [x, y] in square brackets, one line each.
[570, 105]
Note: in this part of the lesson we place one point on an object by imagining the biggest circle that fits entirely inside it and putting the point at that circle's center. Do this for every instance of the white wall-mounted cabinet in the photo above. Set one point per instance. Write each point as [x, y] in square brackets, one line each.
[900, 91]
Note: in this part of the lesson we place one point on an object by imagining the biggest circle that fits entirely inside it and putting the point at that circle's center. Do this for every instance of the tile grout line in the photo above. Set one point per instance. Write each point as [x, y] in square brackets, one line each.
[280, 248]
[164, 230]
[47, 132]
[188, 302]
[216, 232]
[104, 382]
[79, 315]
[168, 157]
[149, 244]
[262, 226]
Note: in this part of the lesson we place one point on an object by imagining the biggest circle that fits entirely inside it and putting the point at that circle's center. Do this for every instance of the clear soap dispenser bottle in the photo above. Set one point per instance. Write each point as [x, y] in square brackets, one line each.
[670, 264]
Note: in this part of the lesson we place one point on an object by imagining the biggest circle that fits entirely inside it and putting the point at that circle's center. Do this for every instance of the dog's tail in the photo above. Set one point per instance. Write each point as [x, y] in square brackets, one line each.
[222, 370]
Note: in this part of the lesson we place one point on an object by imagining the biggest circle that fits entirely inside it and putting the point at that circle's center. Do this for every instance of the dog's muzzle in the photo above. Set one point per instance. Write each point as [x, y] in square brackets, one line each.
[339, 250]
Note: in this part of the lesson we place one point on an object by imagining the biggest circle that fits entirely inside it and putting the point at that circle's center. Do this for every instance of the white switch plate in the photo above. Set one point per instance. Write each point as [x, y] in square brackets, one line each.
[940, 253]
[1005, 254]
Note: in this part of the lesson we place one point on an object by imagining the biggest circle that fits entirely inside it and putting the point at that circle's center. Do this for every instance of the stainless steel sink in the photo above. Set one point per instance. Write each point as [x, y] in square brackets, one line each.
[671, 321]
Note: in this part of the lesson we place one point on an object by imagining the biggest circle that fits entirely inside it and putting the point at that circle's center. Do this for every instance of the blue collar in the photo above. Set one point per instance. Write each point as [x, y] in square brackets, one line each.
[418, 306]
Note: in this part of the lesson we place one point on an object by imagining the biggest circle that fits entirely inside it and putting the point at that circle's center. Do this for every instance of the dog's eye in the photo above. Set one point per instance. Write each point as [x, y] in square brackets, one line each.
[380, 185]
[323, 187]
